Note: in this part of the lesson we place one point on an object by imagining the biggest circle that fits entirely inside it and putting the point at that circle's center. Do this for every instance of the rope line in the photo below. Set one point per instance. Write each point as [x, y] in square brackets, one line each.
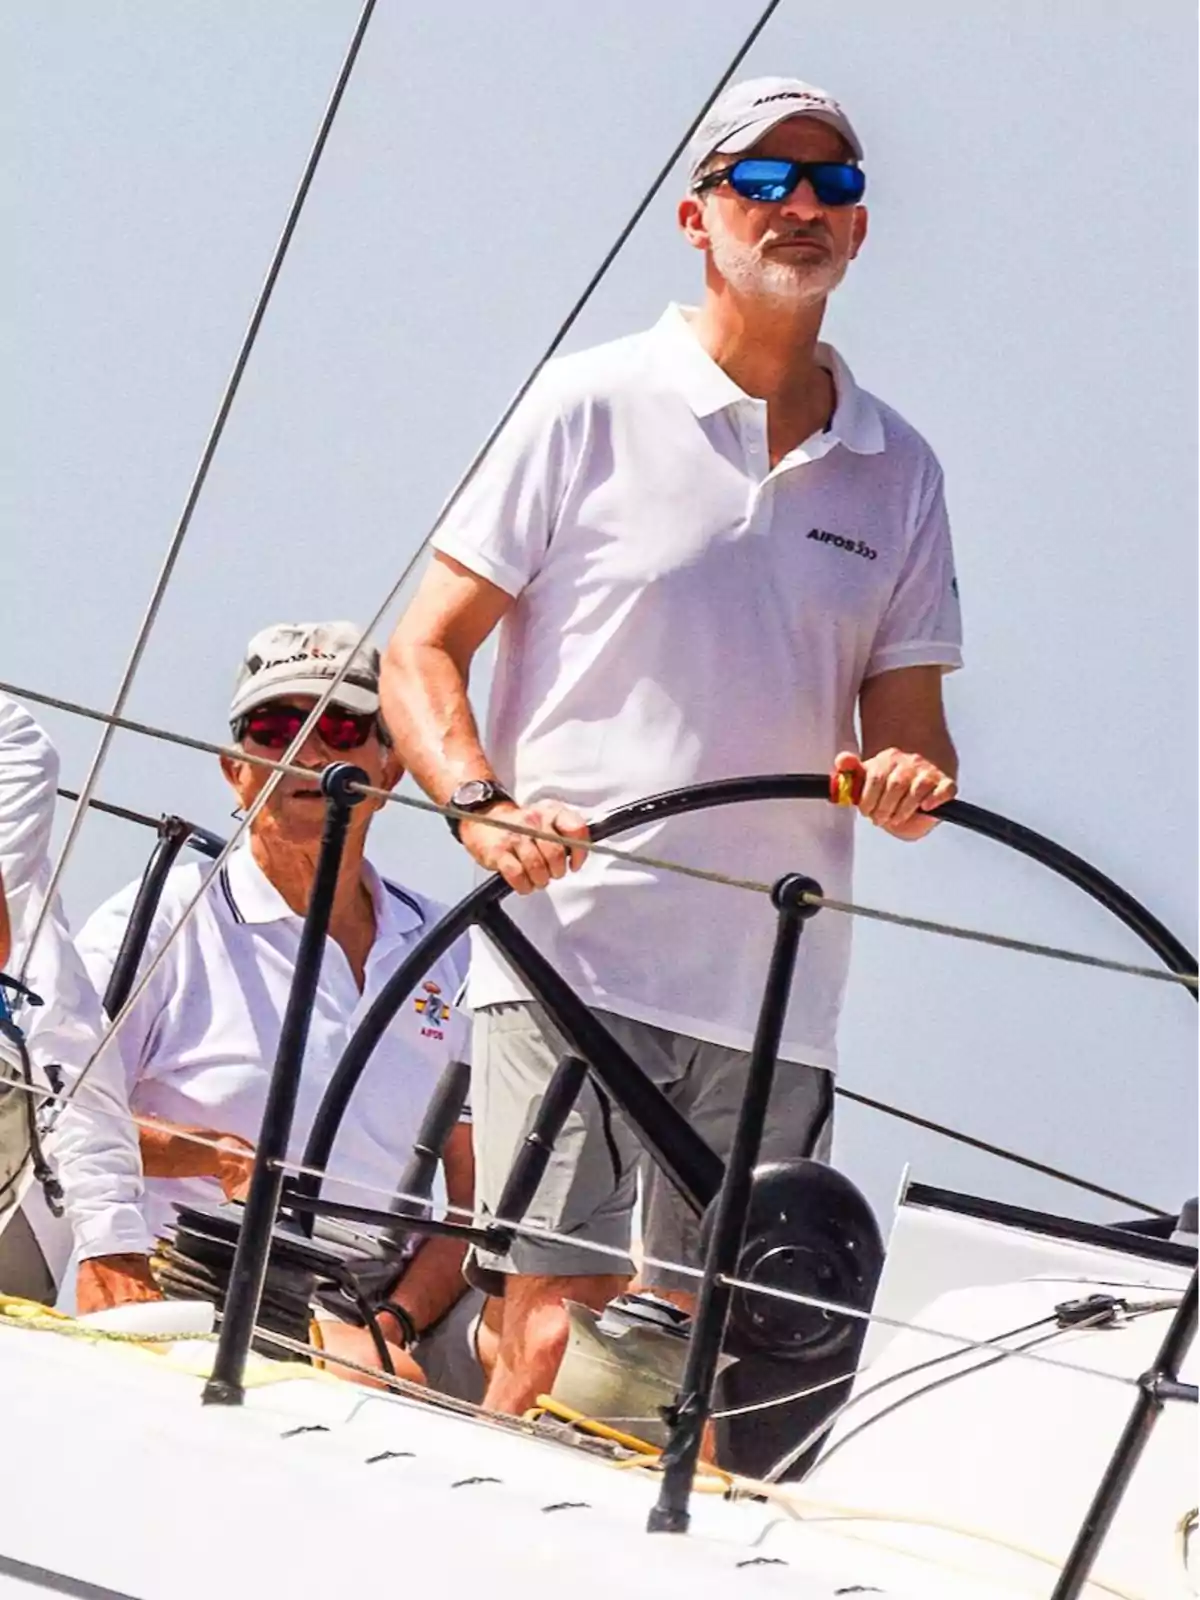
[175, 546]
[106, 807]
[794, 1454]
[536, 1231]
[933, 1333]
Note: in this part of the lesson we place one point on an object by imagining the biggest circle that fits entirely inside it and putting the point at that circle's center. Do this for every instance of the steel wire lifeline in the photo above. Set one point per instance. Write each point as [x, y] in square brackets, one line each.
[158, 593]
[884, 1107]
[452, 500]
[533, 1230]
[1100, 1317]
[641, 858]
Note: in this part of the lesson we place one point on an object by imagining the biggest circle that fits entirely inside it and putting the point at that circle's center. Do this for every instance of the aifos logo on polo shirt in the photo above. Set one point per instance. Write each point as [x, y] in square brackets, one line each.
[432, 1009]
[856, 547]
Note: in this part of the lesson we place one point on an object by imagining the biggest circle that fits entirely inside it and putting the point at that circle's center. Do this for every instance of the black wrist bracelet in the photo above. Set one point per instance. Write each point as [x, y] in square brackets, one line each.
[408, 1328]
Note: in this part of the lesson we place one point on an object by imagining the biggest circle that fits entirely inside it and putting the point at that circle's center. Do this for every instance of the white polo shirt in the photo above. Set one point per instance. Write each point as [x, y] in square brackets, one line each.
[199, 1044]
[102, 1204]
[685, 613]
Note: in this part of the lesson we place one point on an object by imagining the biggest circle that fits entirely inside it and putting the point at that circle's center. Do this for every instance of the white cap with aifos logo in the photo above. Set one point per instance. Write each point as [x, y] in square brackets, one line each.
[303, 658]
[746, 111]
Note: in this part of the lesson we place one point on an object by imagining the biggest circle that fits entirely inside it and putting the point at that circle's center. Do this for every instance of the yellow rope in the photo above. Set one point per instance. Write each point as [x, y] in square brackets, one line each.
[31, 1314]
[711, 1479]
[546, 1404]
[644, 1454]
[34, 1317]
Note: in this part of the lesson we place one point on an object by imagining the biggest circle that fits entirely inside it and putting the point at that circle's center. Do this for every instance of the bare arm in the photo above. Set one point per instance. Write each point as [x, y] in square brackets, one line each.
[903, 710]
[426, 670]
[434, 1281]
[423, 692]
[167, 1152]
[111, 1280]
[909, 763]
[104, 1281]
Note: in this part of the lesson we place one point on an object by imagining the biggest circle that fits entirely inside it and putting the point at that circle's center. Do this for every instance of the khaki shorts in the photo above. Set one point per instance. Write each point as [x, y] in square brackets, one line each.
[591, 1183]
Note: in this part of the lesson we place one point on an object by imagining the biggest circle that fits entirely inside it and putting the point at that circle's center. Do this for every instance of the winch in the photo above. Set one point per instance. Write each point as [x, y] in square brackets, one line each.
[623, 1366]
[195, 1264]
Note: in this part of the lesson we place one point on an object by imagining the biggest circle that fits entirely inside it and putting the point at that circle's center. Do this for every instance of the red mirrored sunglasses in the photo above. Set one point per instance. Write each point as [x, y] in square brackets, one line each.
[276, 726]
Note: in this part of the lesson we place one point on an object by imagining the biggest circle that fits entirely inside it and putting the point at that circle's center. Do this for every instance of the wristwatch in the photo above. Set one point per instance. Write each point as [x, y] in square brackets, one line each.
[477, 794]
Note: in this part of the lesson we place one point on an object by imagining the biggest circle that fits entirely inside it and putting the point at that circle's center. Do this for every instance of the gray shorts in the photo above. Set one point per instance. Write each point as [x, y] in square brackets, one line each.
[591, 1182]
[447, 1352]
[447, 1355]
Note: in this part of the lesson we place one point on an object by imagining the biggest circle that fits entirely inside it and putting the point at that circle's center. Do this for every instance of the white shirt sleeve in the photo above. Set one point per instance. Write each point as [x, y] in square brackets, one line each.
[94, 1145]
[922, 626]
[28, 780]
[501, 526]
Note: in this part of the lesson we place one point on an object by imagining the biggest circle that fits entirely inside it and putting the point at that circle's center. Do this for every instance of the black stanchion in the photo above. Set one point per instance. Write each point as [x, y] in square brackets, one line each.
[441, 1115]
[532, 1159]
[694, 1401]
[173, 834]
[224, 1387]
[1155, 1388]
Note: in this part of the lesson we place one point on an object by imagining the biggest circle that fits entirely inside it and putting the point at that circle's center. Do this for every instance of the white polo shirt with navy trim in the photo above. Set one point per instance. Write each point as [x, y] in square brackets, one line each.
[684, 613]
[199, 1044]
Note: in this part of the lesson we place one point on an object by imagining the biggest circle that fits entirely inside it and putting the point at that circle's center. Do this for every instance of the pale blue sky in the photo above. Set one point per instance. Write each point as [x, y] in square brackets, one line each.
[1026, 298]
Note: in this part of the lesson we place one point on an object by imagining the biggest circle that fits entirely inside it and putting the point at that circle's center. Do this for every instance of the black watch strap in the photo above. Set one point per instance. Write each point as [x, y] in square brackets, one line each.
[477, 794]
[406, 1325]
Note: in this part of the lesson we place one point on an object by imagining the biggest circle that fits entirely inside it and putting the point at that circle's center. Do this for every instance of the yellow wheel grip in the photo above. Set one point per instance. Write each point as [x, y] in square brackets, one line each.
[845, 788]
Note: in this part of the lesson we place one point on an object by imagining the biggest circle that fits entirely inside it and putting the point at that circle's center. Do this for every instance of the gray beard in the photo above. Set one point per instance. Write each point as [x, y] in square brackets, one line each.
[755, 276]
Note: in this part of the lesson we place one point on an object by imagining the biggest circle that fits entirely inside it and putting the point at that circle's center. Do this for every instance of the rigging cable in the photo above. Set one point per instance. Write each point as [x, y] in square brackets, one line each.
[895, 918]
[1100, 1316]
[950, 930]
[536, 1231]
[894, 1377]
[884, 1107]
[502, 421]
[264, 795]
[198, 481]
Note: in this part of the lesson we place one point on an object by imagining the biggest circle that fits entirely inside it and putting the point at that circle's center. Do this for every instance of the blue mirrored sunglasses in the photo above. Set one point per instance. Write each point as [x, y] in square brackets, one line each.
[835, 183]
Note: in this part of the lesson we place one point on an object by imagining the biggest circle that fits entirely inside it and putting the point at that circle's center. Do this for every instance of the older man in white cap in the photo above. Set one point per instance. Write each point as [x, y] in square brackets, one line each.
[199, 1042]
[708, 549]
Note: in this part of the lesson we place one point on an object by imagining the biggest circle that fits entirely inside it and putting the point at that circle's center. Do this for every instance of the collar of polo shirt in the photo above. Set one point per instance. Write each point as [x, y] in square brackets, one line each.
[856, 422]
[255, 899]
